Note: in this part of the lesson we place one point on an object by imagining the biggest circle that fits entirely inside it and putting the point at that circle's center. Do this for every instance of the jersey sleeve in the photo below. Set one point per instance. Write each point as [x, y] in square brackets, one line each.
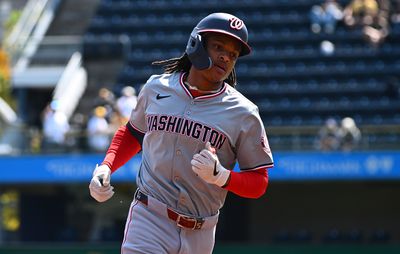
[137, 120]
[252, 147]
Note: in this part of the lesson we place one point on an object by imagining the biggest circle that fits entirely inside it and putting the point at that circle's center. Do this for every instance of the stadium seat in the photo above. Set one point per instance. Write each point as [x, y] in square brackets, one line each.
[286, 75]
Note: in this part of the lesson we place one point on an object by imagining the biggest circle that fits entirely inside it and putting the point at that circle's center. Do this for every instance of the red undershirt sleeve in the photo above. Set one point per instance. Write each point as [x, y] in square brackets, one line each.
[250, 184]
[124, 145]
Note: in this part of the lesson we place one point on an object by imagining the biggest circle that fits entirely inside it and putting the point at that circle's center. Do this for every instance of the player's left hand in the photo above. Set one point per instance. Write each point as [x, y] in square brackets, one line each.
[207, 166]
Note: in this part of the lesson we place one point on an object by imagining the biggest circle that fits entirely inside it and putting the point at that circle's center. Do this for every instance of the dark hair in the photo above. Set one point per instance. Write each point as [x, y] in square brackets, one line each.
[183, 64]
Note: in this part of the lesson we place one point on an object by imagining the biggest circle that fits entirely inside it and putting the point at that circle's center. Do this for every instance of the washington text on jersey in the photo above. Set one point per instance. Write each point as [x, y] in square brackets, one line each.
[186, 127]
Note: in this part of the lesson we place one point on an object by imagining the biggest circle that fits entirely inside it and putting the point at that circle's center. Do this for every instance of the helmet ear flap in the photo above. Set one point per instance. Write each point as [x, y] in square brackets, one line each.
[197, 52]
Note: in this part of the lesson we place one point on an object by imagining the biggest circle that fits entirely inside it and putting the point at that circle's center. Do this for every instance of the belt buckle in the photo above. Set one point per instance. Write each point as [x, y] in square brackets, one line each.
[197, 223]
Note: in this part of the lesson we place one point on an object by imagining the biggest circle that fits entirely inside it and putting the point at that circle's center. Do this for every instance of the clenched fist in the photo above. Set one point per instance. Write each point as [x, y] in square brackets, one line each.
[100, 188]
[206, 165]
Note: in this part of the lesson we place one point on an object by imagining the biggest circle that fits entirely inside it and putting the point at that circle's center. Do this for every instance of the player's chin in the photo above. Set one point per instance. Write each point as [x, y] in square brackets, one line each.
[219, 74]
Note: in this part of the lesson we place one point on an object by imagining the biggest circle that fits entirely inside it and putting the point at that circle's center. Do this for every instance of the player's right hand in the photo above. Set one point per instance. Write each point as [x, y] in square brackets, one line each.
[207, 166]
[100, 188]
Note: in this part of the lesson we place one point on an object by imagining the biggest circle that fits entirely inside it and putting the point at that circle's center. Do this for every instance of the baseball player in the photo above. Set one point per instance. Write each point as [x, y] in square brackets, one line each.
[192, 126]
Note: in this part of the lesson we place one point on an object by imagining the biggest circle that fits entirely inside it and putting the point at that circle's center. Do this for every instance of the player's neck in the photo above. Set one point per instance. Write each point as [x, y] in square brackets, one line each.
[197, 92]
[195, 80]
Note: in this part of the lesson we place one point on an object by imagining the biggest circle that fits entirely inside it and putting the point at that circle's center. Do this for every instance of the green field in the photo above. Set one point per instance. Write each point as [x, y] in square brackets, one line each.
[220, 249]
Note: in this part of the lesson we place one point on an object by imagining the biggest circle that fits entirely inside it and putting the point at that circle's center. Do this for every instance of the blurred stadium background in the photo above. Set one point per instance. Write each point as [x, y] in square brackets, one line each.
[75, 56]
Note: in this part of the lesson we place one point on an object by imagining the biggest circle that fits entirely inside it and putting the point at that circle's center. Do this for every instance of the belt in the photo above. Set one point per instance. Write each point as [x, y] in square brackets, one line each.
[181, 220]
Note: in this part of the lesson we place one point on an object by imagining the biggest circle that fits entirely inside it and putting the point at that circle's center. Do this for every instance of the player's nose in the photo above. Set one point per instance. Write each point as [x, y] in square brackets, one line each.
[224, 56]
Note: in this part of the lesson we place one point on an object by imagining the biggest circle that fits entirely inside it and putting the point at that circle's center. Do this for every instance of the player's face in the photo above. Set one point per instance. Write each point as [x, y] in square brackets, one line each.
[224, 51]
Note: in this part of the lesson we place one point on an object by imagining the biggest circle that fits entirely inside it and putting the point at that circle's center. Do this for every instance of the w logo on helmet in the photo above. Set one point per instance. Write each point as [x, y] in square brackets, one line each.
[236, 23]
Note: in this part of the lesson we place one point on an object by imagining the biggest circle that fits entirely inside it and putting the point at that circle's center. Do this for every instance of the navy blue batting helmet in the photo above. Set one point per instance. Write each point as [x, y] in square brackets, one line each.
[223, 23]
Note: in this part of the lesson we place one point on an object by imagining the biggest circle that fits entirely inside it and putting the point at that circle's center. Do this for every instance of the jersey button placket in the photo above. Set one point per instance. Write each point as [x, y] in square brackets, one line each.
[188, 112]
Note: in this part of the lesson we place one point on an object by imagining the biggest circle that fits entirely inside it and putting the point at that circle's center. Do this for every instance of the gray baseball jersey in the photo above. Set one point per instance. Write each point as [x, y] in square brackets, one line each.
[177, 126]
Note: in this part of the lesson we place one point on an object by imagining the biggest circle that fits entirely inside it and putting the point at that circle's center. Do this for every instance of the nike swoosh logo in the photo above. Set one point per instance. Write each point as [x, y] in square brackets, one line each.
[216, 172]
[159, 97]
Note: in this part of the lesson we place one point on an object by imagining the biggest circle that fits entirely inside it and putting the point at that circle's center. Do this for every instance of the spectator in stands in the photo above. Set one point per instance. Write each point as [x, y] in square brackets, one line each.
[55, 126]
[360, 12]
[328, 136]
[349, 134]
[373, 16]
[127, 102]
[106, 98]
[98, 130]
[324, 17]
[376, 32]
